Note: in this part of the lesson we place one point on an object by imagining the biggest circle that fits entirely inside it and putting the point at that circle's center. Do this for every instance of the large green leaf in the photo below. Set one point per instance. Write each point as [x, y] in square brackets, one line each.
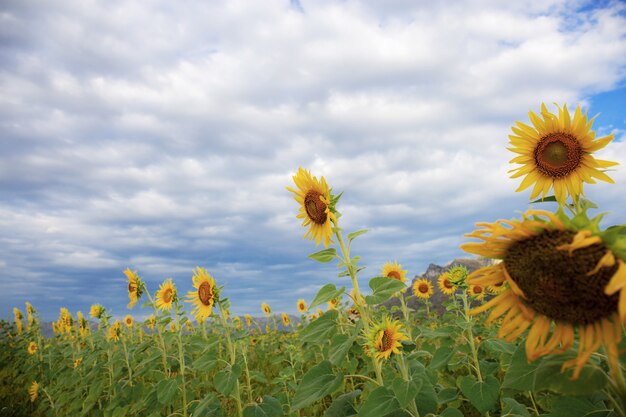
[208, 406]
[269, 407]
[226, 380]
[322, 328]
[442, 356]
[406, 391]
[342, 405]
[520, 374]
[166, 390]
[511, 408]
[482, 395]
[353, 235]
[324, 256]
[325, 294]
[549, 377]
[316, 383]
[380, 402]
[383, 288]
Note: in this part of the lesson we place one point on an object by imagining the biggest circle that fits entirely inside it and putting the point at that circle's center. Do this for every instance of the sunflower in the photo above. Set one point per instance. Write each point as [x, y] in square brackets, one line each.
[32, 348]
[320, 312]
[561, 277]
[166, 295]
[313, 316]
[128, 321]
[556, 153]
[151, 322]
[18, 319]
[423, 288]
[237, 321]
[29, 313]
[301, 306]
[204, 296]
[384, 339]
[248, 318]
[65, 320]
[445, 285]
[77, 362]
[316, 206]
[286, 319]
[496, 289]
[114, 331]
[83, 325]
[332, 304]
[266, 309]
[96, 311]
[33, 391]
[135, 287]
[477, 292]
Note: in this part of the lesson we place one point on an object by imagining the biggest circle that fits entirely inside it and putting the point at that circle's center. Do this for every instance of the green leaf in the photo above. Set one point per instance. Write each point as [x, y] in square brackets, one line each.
[269, 407]
[483, 395]
[353, 235]
[382, 289]
[548, 376]
[447, 395]
[406, 390]
[205, 363]
[512, 408]
[549, 198]
[572, 406]
[324, 256]
[208, 406]
[322, 328]
[451, 412]
[520, 374]
[380, 402]
[442, 356]
[339, 347]
[342, 405]
[325, 294]
[166, 390]
[315, 384]
[226, 380]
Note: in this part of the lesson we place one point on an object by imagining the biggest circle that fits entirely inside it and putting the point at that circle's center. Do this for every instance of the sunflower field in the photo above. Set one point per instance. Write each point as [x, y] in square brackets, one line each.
[538, 331]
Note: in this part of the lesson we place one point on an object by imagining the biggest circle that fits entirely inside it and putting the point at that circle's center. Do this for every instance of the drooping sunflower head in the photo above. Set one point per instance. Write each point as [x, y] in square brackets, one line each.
[135, 287]
[286, 319]
[266, 309]
[29, 313]
[394, 270]
[317, 206]
[301, 306]
[128, 321]
[560, 276]
[237, 321]
[445, 285]
[385, 338]
[32, 348]
[555, 152]
[205, 295]
[248, 318]
[33, 391]
[423, 288]
[18, 319]
[476, 291]
[96, 311]
[166, 295]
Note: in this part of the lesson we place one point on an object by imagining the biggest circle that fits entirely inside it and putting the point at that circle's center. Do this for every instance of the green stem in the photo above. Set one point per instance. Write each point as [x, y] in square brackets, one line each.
[181, 358]
[470, 337]
[233, 357]
[404, 370]
[130, 372]
[407, 317]
[160, 335]
[248, 384]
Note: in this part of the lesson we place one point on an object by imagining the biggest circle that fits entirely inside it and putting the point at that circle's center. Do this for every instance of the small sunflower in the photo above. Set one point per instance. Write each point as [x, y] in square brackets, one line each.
[32, 348]
[96, 311]
[65, 320]
[496, 289]
[33, 391]
[316, 208]
[29, 313]
[151, 322]
[248, 318]
[18, 319]
[384, 339]
[332, 304]
[237, 321]
[313, 316]
[205, 295]
[301, 306]
[561, 276]
[166, 295]
[266, 309]
[477, 292]
[114, 331]
[77, 362]
[556, 153]
[128, 321]
[320, 312]
[135, 287]
[423, 288]
[445, 285]
[286, 319]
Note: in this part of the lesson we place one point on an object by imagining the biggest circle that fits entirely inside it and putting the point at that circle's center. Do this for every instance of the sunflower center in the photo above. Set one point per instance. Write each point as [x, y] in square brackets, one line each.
[423, 288]
[315, 207]
[394, 275]
[205, 295]
[477, 289]
[168, 295]
[558, 154]
[386, 342]
[132, 287]
[447, 283]
[556, 284]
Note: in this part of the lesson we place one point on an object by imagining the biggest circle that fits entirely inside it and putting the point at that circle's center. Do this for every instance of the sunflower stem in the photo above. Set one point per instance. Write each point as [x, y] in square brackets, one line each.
[470, 337]
[248, 384]
[160, 335]
[404, 370]
[130, 372]
[233, 355]
[405, 312]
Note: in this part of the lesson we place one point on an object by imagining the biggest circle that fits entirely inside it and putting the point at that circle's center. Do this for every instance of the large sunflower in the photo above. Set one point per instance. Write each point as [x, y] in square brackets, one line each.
[166, 295]
[315, 206]
[445, 285]
[384, 339]
[134, 287]
[203, 298]
[556, 153]
[560, 277]
[423, 288]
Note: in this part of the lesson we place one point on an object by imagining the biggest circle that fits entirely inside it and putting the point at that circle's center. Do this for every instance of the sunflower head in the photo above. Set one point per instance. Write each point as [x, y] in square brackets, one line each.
[135, 287]
[115, 330]
[128, 321]
[385, 338]
[33, 391]
[266, 309]
[32, 348]
[301, 306]
[204, 296]
[96, 311]
[496, 289]
[286, 319]
[561, 275]
[394, 270]
[445, 284]
[237, 321]
[248, 318]
[476, 291]
[166, 295]
[151, 322]
[332, 304]
[65, 321]
[77, 362]
[458, 275]
[29, 313]
[556, 152]
[422, 288]
[317, 206]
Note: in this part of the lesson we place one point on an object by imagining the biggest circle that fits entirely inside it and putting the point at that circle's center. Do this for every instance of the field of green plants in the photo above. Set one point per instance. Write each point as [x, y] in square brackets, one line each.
[536, 332]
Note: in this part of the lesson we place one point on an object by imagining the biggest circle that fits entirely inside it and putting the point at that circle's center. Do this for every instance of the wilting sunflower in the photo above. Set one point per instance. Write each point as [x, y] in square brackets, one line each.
[286, 319]
[18, 319]
[96, 311]
[166, 295]
[477, 292]
[33, 391]
[316, 207]
[135, 287]
[248, 318]
[561, 276]
[301, 306]
[266, 309]
[128, 321]
[204, 297]
[423, 288]
[384, 339]
[556, 153]
[32, 348]
[445, 285]
[394, 270]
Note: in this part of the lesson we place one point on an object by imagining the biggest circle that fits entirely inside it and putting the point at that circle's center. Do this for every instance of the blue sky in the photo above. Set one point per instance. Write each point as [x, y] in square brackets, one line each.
[160, 136]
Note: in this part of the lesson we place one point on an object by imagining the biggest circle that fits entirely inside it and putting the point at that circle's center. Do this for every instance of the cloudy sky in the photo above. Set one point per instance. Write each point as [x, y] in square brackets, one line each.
[160, 135]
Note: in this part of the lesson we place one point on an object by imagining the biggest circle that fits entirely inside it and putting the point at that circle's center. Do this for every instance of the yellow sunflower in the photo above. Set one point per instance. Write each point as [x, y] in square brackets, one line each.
[477, 292]
[128, 321]
[332, 304]
[445, 285]
[32, 348]
[237, 321]
[151, 322]
[320, 313]
[496, 289]
[248, 318]
[33, 391]
[29, 312]
[77, 362]
[96, 311]
[204, 297]
[65, 320]
[18, 319]
[135, 287]
[556, 153]
[561, 277]
[394, 270]
[315, 206]
[301, 306]
[166, 295]
[266, 309]
[286, 319]
[423, 288]
[114, 331]
[384, 339]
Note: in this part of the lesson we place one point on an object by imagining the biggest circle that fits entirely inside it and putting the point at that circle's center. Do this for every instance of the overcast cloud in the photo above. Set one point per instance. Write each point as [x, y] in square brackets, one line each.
[160, 135]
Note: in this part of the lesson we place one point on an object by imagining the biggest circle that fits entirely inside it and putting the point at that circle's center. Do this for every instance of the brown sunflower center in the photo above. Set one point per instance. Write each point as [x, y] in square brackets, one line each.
[447, 283]
[394, 275]
[205, 295]
[315, 207]
[558, 154]
[168, 295]
[477, 289]
[423, 288]
[386, 342]
[132, 287]
[556, 284]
